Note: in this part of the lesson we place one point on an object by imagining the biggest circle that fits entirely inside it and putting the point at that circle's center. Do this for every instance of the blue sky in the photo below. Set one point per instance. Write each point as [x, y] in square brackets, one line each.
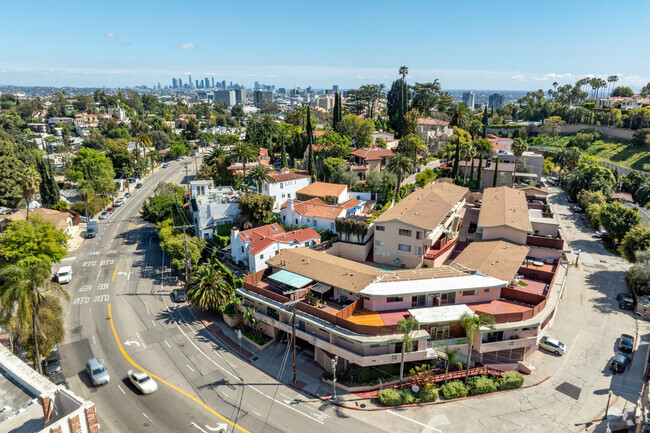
[494, 44]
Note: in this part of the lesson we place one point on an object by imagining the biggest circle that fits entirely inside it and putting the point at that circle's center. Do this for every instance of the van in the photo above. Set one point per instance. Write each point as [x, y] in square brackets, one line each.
[92, 229]
[64, 275]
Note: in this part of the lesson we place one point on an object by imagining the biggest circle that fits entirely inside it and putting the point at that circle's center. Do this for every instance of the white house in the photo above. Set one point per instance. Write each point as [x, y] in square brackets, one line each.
[212, 206]
[285, 186]
[255, 246]
[318, 214]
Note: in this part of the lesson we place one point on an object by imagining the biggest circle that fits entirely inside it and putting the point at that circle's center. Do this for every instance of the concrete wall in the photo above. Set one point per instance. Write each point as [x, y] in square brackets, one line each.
[623, 134]
[482, 295]
[380, 304]
[349, 251]
[283, 191]
[543, 254]
[513, 235]
[391, 238]
[545, 229]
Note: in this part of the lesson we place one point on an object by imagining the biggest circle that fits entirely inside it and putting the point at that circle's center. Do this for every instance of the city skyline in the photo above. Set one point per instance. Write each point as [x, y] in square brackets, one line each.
[511, 45]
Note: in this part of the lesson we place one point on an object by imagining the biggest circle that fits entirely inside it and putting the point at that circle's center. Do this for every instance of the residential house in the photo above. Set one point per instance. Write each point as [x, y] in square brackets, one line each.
[318, 214]
[253, 247]
[506, 175]
[237, 168]
[53, 121]
[62, 220]
[433, 131]
[285, 186]
[37, 127]
[500, 144]
[365, 160]
[330, 193]
[83, 118]
[534, 161]
[422, 228]
[212, 206]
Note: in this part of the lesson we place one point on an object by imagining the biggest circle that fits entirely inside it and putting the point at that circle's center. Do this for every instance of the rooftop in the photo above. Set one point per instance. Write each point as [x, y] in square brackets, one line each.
[499, 259]
[504, 207]
[283, 177]
[323, 189]
[431, 121]
[427, 207]
[317, 208]
[261, 237]
[445, 313]
[371, 154]
[59, 218]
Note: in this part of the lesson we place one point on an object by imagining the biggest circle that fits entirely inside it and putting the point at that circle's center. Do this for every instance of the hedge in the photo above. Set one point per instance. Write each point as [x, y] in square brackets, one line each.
[511, 380]
[397, 397]
[454, 389]
[390, 397]
[481, 385]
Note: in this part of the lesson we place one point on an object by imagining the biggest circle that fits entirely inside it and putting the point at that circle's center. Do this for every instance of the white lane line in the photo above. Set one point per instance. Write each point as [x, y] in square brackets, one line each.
[413, 421]
[145, 415]
[154, 323]
[94, 342]
[188, 366]
[167, 344]
[285, 396]
[258, 414]
[285, 405]
[195, 425]
[121, 389]
[224, 393]
[145, 306]
[128, 276]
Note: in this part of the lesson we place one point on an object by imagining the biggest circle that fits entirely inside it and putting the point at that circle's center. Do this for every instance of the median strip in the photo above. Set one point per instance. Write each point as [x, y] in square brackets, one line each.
[114, 273]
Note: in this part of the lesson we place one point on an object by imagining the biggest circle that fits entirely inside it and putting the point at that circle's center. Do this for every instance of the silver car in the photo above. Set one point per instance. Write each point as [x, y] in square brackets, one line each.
[97, 372]
[552, 345]
[142, 381]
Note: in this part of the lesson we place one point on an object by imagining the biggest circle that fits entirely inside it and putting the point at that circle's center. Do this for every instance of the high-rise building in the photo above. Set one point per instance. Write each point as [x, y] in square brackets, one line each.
[257, 85]
[240, 96]
[230, 86]
[261, 96]
[207, 82]
[335, 87]
[225, 96]
[495, 101]
[191, 83]
[468, 99]
[212, 81]
[174, 83]
[180, 83]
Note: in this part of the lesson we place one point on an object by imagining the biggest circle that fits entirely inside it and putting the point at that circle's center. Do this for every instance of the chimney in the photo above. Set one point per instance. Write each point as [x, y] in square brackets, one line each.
[284, 170]
[233, 233]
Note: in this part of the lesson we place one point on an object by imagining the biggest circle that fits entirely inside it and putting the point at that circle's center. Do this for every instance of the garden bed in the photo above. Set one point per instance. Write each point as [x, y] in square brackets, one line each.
[259, 343]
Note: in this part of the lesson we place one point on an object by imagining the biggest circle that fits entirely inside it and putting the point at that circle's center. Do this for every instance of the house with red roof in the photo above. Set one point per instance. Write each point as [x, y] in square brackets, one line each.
[365, 160]
[253, 247]
[286, 185]
[318, 214]
[433, 131]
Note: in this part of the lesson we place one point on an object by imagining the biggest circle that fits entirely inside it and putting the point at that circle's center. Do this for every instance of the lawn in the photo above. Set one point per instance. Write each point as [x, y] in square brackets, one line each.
[619, 152]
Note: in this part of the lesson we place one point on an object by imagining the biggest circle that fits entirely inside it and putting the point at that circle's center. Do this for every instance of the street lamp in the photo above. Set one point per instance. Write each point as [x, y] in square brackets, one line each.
[577, 259]
[335, 361]
[609, 396]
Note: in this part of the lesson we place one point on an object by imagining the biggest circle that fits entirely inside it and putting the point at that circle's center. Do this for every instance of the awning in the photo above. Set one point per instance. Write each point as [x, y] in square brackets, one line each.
[320, 288]
[290, 279]
[442, 314]
[529, 175]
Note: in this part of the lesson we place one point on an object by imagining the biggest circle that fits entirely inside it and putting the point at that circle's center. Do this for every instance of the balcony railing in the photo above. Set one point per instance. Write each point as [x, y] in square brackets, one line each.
[433, 254]
[544, 242]
[507, 344]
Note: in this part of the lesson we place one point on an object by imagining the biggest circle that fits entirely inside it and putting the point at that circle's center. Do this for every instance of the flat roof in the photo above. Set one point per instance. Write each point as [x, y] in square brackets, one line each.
[445, 313]
[290, 279]
[399, 287]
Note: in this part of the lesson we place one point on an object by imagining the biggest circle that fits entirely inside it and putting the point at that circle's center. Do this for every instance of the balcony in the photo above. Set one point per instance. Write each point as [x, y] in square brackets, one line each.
[556, 243]
[437, 250]
[514, 343]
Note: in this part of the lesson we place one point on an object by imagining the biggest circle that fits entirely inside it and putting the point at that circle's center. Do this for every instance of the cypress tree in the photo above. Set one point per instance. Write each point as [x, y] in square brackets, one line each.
[485, 122]
[311, 168]
[48, 187]
[496, 172]
[338, 112]
[283, 154]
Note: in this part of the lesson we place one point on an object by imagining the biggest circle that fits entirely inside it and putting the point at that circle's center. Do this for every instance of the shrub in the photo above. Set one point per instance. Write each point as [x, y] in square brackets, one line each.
[511, 380]
[481, 385]
[389, 397]
[224, 229]
[408, 397]
[60, 205]
[454, 389]
[428, 395]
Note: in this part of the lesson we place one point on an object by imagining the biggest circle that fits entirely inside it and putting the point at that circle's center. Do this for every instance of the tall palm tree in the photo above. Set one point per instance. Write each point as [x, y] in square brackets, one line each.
[612, 79]
[467, 153]
[213, 154]
[270, 128]
[472, 323]
[483, 150]
[447, 152]
[145, 143]
[406, 327]
[244, 153]
[451, 359]
[29, 180]
[208, 287]
[460, 116]
[519, 146]
[403, 71]
[398, 165]
[23, 288]
[260, 174]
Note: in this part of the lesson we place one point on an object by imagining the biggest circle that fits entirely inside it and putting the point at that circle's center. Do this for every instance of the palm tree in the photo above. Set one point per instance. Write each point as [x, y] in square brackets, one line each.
[472, 323]
[212, 155]
[467, 152]
[569, 158]
[612, 79]
[29, 180]
[398, 165]
[245, 152]
[24, 287]
[208, 287]
[260, 174]
[406, 327]
[403, 71]
[451, 358]
[519, 146]
[483, 150]
[447, 152]
[145, 143]
[460, 116]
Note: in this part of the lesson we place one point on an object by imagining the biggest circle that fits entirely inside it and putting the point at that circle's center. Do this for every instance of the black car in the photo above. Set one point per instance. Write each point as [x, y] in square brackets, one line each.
[139, 185]
[625, 301]
[59, 379]
[178, 295]
[626, 343]
[52, 364]
[619, 363]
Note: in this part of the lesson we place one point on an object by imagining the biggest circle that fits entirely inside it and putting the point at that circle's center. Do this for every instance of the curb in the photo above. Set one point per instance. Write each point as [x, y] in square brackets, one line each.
[327, 399]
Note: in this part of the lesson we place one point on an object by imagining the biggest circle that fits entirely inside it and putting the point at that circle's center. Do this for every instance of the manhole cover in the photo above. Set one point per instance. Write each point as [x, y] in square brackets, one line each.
[568, 389]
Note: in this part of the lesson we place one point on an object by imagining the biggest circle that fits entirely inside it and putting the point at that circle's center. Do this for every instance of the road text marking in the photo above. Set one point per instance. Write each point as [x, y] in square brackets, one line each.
[81, 300]
[85, 288]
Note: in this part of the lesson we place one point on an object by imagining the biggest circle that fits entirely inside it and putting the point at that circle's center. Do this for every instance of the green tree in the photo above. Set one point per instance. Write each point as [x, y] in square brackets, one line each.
[637, 239]
[414, 147]
[337, 113]
[29, 180]
[260, 174]
[332, 165]
[122, 160]
[160, 140]
[398, 103]
[52, 329]
[95, 169]
[460, 116]
[472, 323]
[485, 122]
[495, 179]
[569, 158]
[590, 175]
[406, 327]
[519, 147]
[425, 97]
[208, 287]
[48, 187]
[484, 150]
[451, 359]
[338, 146]
[398, 165]
[618, 220]
[256, 209]
[311, 168]
[34, 238]
[622, 91]
[244, 152]
[191, 129]
[23, 288]
[458, 137]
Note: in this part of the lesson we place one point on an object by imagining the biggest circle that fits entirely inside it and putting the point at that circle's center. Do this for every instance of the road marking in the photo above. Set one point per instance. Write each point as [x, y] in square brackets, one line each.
[94, 342]
[188, 366]
[167, 344]
[101, 298]
[219, 427]
[94, 253]
[85, 288]
[111, 251]
[154, 323]
[92, 263]
[121, 389]
[102, 286]
[131, 343]
[145, 306]
[224, 393]
[413, 421]
[145, 415]
[106, 262]
[195, 425]
[81, 300]
[126, 235]
[285, 396]
[128, 276]
[258, 414]
[69, 258]
[164, 382]
[114, 272]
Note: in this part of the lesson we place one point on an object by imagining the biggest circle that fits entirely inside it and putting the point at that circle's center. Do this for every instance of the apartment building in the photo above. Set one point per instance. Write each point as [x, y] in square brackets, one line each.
[285, 186]
[422, 228]
[212, 206]
[433, 131]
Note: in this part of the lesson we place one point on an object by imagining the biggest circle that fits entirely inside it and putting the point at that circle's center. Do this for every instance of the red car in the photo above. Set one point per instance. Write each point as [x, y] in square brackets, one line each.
[110, 210]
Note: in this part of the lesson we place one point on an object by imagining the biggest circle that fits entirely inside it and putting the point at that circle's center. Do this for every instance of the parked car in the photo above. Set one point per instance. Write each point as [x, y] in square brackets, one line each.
[91, 229]
[59, 379]
[626, 343]
[64, 275]
[552, 345]
[600, 234]
[52, 364]
[142, 381]
[127, 195]
[119, 202]
[179, 295]
[97, 372]
[165, 165]
[104, 215]
[625, 301]
[110, 210]
[619, 363]
[576, 209]
[139, 185]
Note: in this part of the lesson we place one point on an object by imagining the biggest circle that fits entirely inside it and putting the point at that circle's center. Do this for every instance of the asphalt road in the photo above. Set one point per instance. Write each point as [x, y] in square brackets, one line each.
[122, 275]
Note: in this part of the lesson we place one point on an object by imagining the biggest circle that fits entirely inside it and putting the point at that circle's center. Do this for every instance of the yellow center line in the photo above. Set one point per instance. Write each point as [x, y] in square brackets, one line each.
[128, 358]
[127, 232]
[114, 273]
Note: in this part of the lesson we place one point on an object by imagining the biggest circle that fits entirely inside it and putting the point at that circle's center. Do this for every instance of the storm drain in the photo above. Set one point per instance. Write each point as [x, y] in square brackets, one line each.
[568, 389]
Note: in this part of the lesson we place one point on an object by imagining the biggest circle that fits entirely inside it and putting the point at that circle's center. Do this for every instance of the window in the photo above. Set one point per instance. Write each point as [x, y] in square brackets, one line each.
[403, 247]
[284, 217]
[486, 290]
[380, 228]
[394, 299]
[331, 225]
[379, 243]
[296, 220]
[242, 249]
[281, 186]
[469, 292]
[418, 251]
[315, 223]
[417, 234]
[403, 232]
[272, 312]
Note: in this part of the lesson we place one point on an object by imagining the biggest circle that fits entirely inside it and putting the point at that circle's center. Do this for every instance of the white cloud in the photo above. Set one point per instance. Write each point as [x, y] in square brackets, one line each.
[111, 35]
[190, 46]
[364, 77]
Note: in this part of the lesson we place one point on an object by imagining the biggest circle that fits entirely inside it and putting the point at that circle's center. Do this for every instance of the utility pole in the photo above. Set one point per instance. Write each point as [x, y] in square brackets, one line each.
[196, 166]
[293, 335]
[187, 176]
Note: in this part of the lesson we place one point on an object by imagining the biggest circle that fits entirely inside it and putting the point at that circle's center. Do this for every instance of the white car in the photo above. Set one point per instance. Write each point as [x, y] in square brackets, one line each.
[142, 381]
[64, 275]
[119, 202]
[552, 345]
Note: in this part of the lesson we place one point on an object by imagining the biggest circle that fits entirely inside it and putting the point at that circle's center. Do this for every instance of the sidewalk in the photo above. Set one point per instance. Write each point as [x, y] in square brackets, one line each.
[77, 239]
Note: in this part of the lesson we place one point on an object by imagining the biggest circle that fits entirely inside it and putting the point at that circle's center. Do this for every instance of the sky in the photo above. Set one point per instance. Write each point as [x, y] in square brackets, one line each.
[465, 44]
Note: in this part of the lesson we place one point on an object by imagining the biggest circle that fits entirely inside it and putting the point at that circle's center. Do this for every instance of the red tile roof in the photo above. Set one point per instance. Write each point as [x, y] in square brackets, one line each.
[373, 154]
[317, 208]
[430, 121]
[323, 189]
[281, 177]
[261, 237]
